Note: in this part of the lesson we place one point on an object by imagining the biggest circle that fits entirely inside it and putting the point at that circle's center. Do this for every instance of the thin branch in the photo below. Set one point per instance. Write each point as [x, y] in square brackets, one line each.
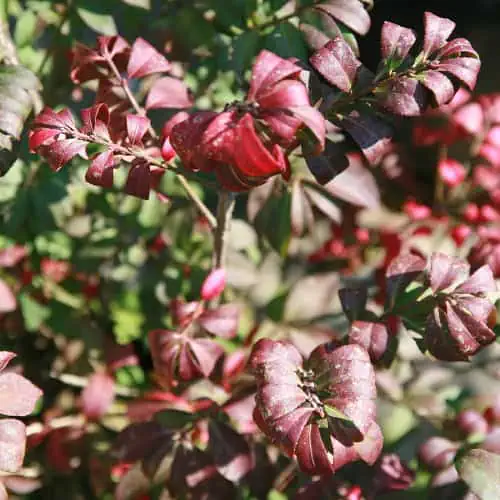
[225, 207]
[205, 211]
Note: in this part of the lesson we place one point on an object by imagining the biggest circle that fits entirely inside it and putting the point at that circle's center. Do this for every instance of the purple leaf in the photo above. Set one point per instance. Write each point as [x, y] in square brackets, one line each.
[349, 12]
[404, 96]
[370, 133]
[445, 271]
[439, 85]
[401, 271]
[353, 301]
[100, 172]
[167, 93]
[145, 60]
[337, 63]
[222, 321]
[396, 41]
[365, 193]
[437, 30]
[456, 47]
[97, 396]
[205, 354]
[12, 444]
[331, 163]
[481, 281]
[137, 441]
[18, 396]
[8, 301]
[464, 69]
[232, 455]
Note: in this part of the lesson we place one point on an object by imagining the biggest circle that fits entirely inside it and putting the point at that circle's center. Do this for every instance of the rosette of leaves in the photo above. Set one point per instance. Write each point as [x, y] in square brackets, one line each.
[322, 412]
[406, 83]
[16, 102]
[441, 302]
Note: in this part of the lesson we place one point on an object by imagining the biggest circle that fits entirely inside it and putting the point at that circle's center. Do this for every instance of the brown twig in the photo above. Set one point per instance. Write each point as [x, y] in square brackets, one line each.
[141, 112]
[225, 207]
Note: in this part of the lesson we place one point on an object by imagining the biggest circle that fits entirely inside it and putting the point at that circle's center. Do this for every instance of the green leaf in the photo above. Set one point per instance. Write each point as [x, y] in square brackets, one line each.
[96, 16]
[245, 48]
[34, 314]
[25, 28]
[480, 469]
[175, 419]
[287, 41]
[143, 4]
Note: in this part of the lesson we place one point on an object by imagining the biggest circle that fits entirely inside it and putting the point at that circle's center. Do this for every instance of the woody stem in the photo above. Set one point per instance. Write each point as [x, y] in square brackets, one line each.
[225, 207]
[191, 193]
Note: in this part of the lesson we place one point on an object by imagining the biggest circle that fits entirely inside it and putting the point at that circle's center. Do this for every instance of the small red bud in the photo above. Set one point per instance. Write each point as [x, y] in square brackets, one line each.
[214, 284]
[167, 151]
[460, 233]
[471, 212]
[471, 422]
[416, 211]
[452, 172]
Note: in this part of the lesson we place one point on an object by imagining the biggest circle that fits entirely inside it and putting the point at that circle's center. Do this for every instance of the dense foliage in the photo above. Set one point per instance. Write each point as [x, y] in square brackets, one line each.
[235, 262]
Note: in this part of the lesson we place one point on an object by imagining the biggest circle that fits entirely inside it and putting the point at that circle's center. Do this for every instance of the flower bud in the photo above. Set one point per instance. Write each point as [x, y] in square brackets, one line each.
[437, 452]
[214, 284]
[451, 172]
[471, 422]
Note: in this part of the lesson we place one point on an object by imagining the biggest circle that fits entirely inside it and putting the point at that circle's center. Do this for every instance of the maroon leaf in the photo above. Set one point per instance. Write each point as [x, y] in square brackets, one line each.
[100, 172]
[366, 193]
[392, 474]
[404, 96]
[232, 455]
[437, 31]
[18, 396]
[12, 444]
[168, 92]
[8, 301]
[337, 63]
[349, 12]
[98, 395]
[439, 85]
[205, 354]
[327, 166]
[139, 181]
[222, 321]
[396, 41]
[145, 60]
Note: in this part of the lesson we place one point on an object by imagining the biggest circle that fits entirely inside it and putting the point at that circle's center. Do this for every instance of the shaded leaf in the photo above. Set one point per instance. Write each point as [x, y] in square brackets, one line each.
[349, 12]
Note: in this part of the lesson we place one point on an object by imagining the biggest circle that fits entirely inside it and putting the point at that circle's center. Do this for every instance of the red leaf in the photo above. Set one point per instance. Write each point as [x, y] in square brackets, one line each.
[145, 60]
[8, 301]
[60, 152]
[349, 12]
[437, 31]
[232, 455]
[401, 271]
[18, 396]
[374, 337]
[167, 93]
[137, 126]
[139, 181]
[267, 71]
[337, 63]
[445, 271]
[205, 354]
[98, 395]
[396, 41]
[12, 444]
[5, 358]
[100, 172]
[222, 321]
